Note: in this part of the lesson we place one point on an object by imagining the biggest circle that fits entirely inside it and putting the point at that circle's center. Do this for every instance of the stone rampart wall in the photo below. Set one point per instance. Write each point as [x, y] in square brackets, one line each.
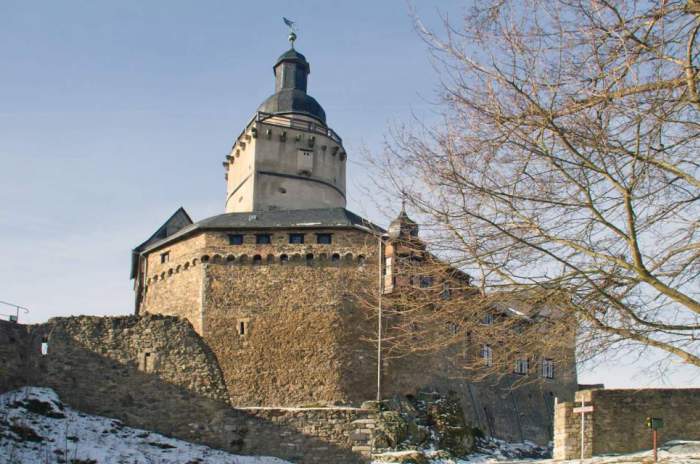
[155, 372]
[617, 423]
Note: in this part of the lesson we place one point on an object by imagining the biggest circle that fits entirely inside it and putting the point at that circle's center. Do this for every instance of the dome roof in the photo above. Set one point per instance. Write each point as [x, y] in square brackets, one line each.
[292, 55]
[290, 97]
[293, 101]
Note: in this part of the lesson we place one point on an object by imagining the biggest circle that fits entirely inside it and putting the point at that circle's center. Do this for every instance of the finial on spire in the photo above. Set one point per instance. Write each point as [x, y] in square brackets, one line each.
[292, 30]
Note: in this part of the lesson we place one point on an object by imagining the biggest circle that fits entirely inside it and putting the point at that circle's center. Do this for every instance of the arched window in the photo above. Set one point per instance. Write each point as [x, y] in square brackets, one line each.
[309, 259]
[348, 258]
[243, 259]
[270, 259]
[230, 259]
[257, 260]
[296, 258]
[361, 260]
[335, 259]
[216, 259]
[205, 258]
[284, 259]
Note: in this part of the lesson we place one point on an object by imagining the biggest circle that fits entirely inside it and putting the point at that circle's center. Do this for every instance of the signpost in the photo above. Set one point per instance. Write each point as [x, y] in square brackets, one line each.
[583, 409]
[654, 423]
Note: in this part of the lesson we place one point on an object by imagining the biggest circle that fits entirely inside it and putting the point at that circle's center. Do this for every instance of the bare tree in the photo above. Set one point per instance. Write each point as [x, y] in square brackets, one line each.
[564, 168]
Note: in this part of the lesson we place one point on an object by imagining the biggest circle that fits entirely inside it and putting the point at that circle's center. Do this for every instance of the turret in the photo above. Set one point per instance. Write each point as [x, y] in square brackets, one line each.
[287, 157]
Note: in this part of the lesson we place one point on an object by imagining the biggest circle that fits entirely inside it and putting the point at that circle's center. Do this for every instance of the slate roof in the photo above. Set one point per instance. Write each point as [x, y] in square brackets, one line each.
[288, 101]
[325, 218]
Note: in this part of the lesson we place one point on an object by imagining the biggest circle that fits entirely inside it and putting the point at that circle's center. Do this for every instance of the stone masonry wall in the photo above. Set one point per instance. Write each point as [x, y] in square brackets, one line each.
[309, 338]
[287, 334]
[155, 372]
[174, 288]
[617, 423]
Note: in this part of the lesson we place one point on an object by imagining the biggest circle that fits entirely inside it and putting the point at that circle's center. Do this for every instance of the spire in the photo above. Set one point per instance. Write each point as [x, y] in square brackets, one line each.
[403, 227]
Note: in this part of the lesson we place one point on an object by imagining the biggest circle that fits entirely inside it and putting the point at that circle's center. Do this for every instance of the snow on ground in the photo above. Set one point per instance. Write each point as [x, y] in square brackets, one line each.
[35, 427]
[496, 451]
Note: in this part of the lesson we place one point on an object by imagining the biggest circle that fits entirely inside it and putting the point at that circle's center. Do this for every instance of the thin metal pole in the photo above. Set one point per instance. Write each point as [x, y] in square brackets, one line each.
[17, 309]
[583, 427]
[379, 320]
[656, 454]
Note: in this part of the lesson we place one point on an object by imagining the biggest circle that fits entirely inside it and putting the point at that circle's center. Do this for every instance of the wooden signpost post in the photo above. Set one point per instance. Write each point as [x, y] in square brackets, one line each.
[583, 409]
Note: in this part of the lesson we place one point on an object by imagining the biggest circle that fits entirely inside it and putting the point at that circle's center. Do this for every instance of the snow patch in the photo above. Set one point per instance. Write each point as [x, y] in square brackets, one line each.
[35, 426]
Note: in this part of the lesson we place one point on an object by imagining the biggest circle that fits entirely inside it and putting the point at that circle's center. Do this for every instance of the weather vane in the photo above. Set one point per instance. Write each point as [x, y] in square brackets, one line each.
[292, 30]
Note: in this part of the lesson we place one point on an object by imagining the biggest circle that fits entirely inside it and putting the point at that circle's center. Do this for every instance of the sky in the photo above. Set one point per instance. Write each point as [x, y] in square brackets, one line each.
[114, 114]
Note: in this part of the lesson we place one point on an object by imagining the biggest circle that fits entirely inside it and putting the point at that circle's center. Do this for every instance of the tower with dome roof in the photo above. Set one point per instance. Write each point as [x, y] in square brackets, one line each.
[287, 157]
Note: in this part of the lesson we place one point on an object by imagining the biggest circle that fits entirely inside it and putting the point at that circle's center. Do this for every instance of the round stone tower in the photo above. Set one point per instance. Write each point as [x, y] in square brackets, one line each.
[287, 157]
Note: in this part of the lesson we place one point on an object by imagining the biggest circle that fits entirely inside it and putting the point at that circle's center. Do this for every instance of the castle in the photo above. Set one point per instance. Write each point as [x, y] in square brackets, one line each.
[271, 285]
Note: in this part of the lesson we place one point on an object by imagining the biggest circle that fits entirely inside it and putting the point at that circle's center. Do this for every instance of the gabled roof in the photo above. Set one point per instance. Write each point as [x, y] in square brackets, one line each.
[176, 222]
[322, 218]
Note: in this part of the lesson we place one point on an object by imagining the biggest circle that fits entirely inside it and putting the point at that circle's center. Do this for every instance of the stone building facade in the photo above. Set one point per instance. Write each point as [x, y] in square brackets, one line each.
[278, 285]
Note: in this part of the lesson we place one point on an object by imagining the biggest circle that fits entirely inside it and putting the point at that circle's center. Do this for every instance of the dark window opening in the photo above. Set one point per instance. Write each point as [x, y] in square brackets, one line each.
[296, 238]
[235, 239]
[284, 259]
[263, 239]
[242, 328]
[426, 281]
[165, 257]
[324, 239]
[335, 258]
[309, 259]
[257, 259]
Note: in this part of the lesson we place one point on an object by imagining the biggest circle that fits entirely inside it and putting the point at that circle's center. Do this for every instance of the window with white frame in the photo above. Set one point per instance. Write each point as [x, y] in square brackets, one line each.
[521, 366]
[487, 355]
[547, 368]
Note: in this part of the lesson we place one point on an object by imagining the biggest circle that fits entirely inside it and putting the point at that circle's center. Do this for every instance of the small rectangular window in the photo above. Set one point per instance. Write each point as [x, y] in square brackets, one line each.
[487, 355]
[235, 239]
[446, 292]
[296, 238]
[263, 239]
[487, 319]
[324, 239]
[426, 281]
[242, 328]
[521, 366]
[547, 368]
[164, 257]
